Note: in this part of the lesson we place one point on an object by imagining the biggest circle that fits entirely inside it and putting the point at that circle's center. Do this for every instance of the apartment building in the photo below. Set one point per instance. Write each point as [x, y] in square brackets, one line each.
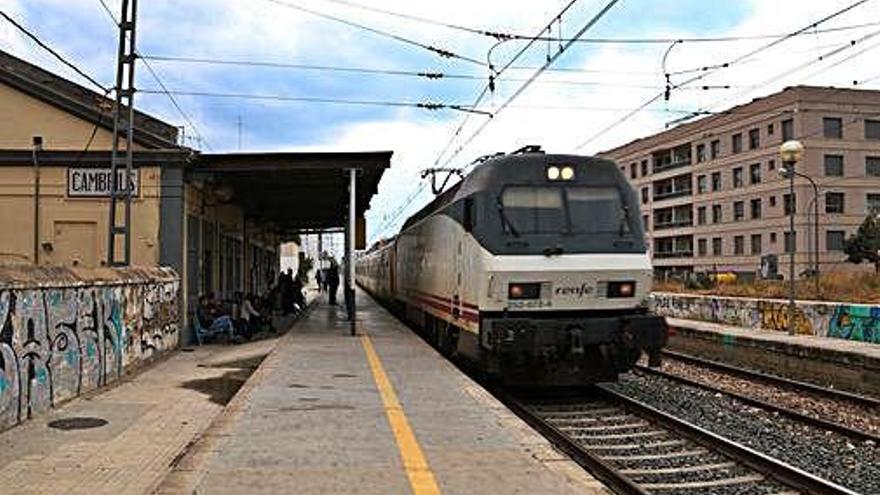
[713, 196]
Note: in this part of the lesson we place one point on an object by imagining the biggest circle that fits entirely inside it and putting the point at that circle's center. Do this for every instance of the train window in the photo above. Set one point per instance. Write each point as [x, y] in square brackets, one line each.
[596, 209]
[533, 209]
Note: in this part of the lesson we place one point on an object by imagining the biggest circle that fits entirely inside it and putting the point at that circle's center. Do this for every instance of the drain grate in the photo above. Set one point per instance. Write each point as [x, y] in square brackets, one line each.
[78, 423]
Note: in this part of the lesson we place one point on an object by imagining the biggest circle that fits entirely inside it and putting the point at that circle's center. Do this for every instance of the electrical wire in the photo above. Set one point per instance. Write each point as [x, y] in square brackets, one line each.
[550, 61]
[161, 84]
[703, 75]
[385, 34]
[502, 35]
[54, 53]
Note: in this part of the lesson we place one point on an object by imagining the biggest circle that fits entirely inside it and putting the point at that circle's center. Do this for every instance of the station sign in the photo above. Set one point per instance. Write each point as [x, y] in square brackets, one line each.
[90, 182]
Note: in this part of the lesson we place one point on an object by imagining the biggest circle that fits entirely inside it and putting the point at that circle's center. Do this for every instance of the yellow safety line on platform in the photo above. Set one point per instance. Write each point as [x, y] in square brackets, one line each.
[421, 478]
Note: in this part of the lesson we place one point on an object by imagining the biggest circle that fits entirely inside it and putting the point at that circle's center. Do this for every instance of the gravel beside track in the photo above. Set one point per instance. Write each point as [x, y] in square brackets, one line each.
[855, 465]
[847, 413]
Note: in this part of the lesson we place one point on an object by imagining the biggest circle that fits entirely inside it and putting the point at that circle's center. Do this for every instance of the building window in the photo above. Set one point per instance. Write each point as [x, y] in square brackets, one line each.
[755, 173]
[835, 240]
[772, 237]
[872, 166]
[736, 143]
[701, 153]
[737, 177]
[739, 245]
[754, 139]
[645, 195]
[716, 246]
[716, 214]
[714, 149]
[771, 165]
[701, 184]
[645, 222]
[756, 209]
[772, 201]
[787, 130]
[701, 215]
[834, 202]
[644, 168]
[833, 165]
[770, 129]
[872, 204]
[790, 241]
[739, 211]
[832, 127]
[872, 129]
[756, 244]
[789, 206]
[701, 247]
[633, 172]
[716, 181]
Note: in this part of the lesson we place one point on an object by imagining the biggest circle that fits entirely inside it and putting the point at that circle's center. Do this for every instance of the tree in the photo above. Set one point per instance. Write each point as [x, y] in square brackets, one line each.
[865, 244]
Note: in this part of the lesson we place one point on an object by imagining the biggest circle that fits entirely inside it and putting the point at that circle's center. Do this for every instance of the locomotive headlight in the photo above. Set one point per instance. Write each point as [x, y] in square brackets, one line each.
[524, 291]
[567, 173]
[553, 173]
[621, 289]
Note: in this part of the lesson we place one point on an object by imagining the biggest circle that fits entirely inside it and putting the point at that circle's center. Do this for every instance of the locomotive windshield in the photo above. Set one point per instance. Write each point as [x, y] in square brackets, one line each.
[570, 209]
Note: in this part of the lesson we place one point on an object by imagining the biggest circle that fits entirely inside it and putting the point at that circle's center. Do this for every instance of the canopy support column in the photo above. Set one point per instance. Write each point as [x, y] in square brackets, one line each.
[349, 250]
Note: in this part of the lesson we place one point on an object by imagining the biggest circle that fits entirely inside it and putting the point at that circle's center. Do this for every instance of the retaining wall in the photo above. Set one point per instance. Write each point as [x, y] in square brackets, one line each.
[66, 331]
[857, 322]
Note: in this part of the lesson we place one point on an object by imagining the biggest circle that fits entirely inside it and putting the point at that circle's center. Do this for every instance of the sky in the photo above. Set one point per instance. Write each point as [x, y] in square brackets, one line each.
[578, 107]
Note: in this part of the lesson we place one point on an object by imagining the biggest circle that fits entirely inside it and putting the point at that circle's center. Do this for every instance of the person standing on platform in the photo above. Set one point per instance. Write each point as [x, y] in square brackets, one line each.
[332, 281]
[319, 279]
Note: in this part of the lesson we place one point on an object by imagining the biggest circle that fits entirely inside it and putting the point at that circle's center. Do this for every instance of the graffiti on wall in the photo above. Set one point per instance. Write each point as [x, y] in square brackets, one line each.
[857, 322]
[56, 343]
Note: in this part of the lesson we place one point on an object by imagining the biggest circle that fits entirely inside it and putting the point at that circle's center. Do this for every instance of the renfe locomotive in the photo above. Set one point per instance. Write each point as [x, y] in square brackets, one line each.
[533, 266]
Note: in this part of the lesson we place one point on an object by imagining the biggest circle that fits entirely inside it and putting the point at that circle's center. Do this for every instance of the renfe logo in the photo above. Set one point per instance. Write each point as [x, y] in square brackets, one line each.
[584, 289]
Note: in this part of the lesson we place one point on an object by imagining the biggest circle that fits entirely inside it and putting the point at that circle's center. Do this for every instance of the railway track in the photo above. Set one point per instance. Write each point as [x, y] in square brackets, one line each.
[759, 379]
[775, 379]
[636, 449]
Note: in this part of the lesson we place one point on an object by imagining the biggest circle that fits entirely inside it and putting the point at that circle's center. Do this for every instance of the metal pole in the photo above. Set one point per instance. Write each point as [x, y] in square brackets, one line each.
[352, 221]
[816, 231]
[38, 146]
[791, 273]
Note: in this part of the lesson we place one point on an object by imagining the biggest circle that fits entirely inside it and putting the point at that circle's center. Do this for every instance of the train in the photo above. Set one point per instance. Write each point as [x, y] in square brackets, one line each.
[533, 268]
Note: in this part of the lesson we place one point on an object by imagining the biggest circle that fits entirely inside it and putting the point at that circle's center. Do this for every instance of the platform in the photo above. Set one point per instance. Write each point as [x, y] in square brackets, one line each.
[380, 413]
[848, 365]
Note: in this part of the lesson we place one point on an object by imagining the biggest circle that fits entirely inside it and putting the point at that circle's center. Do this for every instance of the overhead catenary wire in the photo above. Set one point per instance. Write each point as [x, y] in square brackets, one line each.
[506, 35]
[550, 61]
[726, 65]
[161, 84]
[61, 58]
[385, 34]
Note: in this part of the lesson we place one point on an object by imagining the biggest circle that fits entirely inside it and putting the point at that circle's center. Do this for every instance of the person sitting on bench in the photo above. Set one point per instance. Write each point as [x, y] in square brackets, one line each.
[214, 323]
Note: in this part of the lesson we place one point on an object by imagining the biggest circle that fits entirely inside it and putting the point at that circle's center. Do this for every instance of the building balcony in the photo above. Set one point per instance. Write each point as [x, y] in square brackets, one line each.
[689, 222]
[673, 194]
[673, 254]
[661, 167]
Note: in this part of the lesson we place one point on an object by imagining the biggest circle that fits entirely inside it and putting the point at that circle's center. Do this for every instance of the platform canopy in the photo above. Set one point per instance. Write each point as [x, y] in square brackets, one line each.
[297, 192]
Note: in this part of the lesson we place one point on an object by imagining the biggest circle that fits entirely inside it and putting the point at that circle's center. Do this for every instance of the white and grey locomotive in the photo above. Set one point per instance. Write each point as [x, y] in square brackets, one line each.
[534, 266]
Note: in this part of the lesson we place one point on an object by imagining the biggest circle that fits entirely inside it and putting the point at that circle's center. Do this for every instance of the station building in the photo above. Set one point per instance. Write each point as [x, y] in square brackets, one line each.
[218, 219]
[713, 197]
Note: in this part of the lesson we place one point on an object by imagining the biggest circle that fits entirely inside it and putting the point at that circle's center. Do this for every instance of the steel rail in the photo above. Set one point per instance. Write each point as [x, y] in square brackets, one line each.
[618, 482]
[811, 387]
[791, 413]
[782, 472]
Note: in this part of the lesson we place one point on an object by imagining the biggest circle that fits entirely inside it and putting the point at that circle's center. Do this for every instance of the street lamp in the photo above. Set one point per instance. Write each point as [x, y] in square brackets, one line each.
[791, 152]
[814, 204]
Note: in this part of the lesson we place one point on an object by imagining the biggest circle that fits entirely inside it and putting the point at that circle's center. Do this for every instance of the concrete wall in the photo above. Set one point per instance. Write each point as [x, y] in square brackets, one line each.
[64, 331]
[857, 322]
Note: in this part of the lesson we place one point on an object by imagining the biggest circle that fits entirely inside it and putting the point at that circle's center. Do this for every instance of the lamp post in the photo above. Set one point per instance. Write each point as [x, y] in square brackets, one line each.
[815, 206]
[791, 152]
